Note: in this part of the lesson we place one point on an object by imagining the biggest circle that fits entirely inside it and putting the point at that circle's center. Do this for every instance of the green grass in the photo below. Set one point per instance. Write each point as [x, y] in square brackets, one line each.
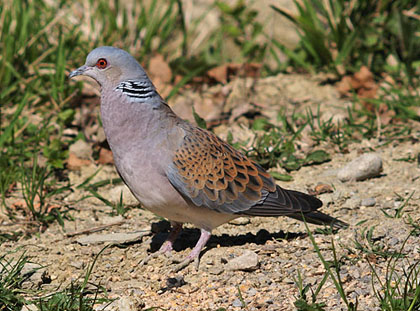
[340, 36]
[75, 297]
[11, 279]
[397, 290]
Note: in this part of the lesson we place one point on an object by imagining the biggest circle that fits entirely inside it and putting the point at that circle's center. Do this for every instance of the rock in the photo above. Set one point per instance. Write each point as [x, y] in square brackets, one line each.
[388, 204]
[37, 275]
[353, 202]
[368, 202]
[251, 292]
[123, 304]
[30, 308]
[237, 303]
[248, 261]
[216, 270]
[241, 221]
[81, 149]
[114, 238]
[366, 166]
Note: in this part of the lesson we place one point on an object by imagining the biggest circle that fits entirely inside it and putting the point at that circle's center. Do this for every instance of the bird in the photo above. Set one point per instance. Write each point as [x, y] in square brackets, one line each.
[180, 171]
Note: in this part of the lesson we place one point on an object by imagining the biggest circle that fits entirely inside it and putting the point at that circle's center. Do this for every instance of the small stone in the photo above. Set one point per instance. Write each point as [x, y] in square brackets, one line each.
[241, 221]
[114, 238]
[77, 264]
[352, 203]
[123, 304]
[237, 303]
[251, 292]
[364, 167]
[248, 261]
[368, 202]
[81, 149]
[216, 270]
[30, 308]
[35, 275]
[388, 204]
[393, 241]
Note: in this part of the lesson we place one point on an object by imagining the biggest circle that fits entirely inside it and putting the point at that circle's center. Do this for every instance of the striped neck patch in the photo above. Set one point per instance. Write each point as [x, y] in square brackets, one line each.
[138, 90]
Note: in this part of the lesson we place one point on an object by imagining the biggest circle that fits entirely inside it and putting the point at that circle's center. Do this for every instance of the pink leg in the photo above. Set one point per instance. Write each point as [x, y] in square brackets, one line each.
[195, 253]
[167, 246]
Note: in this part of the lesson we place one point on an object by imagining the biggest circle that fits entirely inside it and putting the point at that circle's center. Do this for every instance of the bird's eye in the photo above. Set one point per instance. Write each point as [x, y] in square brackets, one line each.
[101, 63]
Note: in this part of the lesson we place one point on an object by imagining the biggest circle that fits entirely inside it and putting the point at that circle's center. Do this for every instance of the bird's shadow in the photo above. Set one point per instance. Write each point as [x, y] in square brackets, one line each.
[189, 237]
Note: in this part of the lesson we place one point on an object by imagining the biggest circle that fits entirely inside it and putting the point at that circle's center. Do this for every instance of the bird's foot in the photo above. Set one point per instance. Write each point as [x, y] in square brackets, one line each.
[167, 246]
[195, 253]
[186, 262]
[165, 249]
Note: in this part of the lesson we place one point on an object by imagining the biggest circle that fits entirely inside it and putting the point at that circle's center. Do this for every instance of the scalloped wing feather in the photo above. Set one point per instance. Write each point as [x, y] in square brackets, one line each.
[210, 173]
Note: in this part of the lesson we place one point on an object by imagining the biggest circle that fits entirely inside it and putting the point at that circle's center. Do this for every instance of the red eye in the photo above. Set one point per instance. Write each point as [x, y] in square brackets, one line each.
[101, 63]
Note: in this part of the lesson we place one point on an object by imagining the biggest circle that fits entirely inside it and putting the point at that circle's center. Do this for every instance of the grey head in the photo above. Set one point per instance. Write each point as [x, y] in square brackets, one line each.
[110, 66]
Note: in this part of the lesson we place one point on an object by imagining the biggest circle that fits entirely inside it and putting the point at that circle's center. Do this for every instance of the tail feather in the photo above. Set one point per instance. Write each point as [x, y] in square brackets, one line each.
[294, 204]
[319, 218]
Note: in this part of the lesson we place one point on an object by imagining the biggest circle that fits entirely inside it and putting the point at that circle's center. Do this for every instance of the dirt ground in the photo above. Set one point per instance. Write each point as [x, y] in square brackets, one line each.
[281, 245]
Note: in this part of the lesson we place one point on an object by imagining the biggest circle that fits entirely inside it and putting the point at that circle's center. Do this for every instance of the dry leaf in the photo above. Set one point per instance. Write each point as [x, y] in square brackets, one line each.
[344, 86]
[161, 75]
[159, 69]
[74, 163]
[323, 188]
[105, 156]
[224, 73]
[320, 189]
[219, 73]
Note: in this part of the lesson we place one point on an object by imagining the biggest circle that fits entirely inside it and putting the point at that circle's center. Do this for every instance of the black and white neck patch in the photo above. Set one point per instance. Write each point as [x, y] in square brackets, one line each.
[138, 90]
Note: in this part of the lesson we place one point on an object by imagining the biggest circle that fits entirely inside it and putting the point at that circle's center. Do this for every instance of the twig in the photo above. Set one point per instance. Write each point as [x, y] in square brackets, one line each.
[94, 229]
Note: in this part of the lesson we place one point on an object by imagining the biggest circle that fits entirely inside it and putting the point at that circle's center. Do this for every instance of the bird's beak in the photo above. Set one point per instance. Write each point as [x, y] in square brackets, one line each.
[78, 72]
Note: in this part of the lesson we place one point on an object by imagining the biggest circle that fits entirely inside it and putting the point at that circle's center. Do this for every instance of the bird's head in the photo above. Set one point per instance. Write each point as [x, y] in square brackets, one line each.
[110, 66]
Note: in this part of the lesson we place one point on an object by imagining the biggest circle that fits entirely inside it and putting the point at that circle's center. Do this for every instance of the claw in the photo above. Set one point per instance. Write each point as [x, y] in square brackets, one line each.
[195, 253]
[167, 246]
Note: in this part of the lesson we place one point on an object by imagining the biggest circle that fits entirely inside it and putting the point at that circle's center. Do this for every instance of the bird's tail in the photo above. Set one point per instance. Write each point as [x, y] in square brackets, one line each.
[319, 218]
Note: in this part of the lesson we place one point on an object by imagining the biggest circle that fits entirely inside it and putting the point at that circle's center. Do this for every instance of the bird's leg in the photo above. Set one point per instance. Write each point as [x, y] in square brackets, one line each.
[167, 246]
[195, 253]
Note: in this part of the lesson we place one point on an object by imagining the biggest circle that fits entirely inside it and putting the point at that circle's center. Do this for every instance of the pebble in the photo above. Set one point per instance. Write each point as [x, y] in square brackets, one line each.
[364, 167]
[123, 304]
[216, 270]
[35, 275]
[251, 292]
[368, 202]
[248, 261]
[352, 203]
[241, 221]
[388, 204]
[237, 303]
[81, 149]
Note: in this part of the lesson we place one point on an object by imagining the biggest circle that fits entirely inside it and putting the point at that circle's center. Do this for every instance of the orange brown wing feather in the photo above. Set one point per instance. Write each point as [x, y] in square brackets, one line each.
[213, 174]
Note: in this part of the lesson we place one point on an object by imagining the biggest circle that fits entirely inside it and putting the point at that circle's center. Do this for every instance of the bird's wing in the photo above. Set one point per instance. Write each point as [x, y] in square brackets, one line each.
[210, 173]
